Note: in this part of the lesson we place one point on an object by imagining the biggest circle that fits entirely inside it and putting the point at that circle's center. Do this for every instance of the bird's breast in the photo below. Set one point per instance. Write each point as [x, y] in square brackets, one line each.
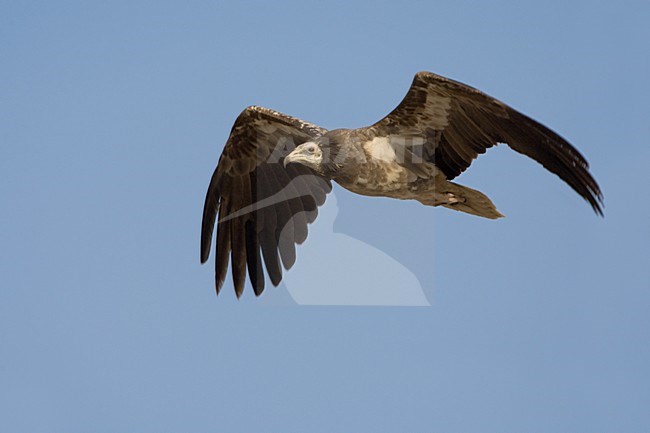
[378, 171]
[377, 178]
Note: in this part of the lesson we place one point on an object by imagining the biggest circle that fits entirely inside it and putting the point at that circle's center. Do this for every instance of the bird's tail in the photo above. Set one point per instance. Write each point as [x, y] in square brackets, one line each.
[468, 200]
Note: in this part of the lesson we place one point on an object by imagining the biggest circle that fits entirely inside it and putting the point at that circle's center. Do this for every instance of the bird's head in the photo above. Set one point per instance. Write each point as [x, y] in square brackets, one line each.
[327, 155]
[317, 155]
[309, 154]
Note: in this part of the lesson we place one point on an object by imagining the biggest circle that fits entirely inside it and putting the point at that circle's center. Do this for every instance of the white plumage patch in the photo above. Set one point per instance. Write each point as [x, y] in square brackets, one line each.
[380, 148]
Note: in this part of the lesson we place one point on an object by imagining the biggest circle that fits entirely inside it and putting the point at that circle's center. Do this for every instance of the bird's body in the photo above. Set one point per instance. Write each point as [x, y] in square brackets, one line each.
[377, 171]
[275, 169]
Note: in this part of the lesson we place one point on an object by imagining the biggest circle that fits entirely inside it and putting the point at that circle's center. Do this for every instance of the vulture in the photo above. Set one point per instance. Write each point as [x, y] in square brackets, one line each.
[276, 170]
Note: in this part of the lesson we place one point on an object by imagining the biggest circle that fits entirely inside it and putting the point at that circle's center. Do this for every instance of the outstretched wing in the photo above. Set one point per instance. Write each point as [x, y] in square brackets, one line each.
[459, 122]
[263, 208]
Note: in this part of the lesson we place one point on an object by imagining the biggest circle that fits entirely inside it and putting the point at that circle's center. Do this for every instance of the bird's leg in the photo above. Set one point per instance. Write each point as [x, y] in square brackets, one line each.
[453, 199]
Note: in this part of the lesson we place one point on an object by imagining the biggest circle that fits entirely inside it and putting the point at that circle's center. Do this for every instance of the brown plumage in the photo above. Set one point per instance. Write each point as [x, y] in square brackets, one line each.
[275, 170]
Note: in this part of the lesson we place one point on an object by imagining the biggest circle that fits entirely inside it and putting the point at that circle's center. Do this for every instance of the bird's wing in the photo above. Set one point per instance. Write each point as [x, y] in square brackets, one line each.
[263, 207]
[458, 122]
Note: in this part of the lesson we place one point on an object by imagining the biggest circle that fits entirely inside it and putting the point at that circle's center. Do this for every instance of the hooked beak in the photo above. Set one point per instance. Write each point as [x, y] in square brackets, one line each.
[297, 155]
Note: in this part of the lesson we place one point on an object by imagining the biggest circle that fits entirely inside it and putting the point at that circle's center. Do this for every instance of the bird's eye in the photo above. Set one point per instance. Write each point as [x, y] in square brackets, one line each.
[311, 149]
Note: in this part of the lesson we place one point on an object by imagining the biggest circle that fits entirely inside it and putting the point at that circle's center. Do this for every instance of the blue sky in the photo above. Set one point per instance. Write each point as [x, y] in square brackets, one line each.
[112, 117]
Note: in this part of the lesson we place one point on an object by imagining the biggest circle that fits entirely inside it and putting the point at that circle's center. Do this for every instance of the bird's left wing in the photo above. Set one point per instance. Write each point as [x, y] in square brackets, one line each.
[459, 122]
[263, 208]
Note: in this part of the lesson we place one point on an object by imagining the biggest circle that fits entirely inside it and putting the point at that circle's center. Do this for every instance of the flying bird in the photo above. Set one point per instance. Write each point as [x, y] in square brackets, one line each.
[276, 170]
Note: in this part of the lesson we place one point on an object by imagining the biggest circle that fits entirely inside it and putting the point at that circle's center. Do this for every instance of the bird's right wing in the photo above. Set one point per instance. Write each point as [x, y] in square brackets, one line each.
[263, 207]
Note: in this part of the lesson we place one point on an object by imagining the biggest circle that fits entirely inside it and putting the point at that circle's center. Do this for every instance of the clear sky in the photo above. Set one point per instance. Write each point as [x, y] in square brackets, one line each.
[112, 117]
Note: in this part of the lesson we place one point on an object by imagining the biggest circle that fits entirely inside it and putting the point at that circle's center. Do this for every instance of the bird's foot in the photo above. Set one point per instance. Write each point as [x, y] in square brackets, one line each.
[453, 199]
